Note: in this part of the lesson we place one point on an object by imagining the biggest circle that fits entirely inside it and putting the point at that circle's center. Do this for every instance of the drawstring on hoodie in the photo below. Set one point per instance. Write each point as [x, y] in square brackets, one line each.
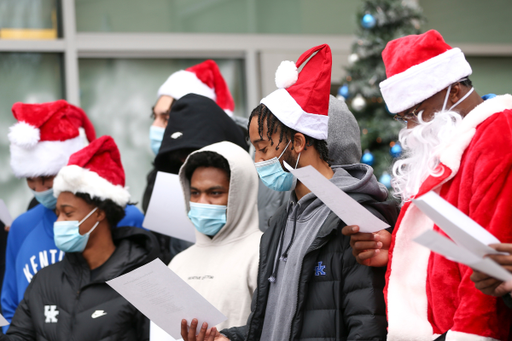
[284, 255]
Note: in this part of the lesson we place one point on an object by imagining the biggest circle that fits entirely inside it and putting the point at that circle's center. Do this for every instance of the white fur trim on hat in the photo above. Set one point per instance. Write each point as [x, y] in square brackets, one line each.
[289, 112]
[286, 74]
[45, 158]
[76, 179]
[24, 135]
[404, 90]
[184, 82]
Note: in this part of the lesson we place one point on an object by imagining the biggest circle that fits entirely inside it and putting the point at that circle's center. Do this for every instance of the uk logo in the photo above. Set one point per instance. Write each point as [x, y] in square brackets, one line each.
[319, 269]
[51, 312]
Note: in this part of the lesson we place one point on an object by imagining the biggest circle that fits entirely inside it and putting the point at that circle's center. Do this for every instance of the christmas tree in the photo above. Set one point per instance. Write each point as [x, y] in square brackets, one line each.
[380, 21]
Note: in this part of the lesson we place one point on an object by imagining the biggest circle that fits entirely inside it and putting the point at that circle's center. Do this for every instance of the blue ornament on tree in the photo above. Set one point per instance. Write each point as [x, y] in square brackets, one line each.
[396, 150]
[343, 91]
[367, 158]
[368, 21]
[385, 179]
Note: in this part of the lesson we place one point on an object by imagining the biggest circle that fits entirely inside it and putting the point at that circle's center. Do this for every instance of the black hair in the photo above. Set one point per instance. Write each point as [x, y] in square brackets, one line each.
[206, 159]
[263, 114]
[466, 82]
[113, 212]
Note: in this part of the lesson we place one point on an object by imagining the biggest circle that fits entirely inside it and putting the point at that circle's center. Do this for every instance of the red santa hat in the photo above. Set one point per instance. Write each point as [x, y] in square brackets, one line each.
[45, 136]
[95, 170]
[419, 66]
[302, 100]
[203, 79]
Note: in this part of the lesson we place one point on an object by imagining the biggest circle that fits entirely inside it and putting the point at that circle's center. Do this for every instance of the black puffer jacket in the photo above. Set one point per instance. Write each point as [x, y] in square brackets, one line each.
[346, 304]
[62, 303]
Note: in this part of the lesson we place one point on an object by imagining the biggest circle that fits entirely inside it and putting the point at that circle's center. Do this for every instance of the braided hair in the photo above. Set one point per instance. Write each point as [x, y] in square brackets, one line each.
[264, 115]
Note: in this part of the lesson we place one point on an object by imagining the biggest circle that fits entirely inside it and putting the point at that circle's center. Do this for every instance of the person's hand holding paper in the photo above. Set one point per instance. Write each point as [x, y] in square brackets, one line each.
[370, 249]
[490, 285]
[205, 334]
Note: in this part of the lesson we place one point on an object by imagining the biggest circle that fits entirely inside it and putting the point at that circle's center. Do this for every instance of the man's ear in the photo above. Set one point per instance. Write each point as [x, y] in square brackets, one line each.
[100, 215]
[456, 93]
[299, 142]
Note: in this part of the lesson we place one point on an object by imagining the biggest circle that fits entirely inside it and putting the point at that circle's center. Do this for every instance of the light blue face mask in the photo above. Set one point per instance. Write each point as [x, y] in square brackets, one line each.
[273, 176]
[156, 135]
[208, 219]
[67, 237]
[46, 198]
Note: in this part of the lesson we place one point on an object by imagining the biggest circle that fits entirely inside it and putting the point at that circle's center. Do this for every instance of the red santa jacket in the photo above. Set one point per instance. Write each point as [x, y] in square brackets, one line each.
[426, 294]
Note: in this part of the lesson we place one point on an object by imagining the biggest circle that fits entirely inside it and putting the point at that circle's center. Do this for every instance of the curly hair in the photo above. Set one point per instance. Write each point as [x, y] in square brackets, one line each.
[264, 115]
[113, 212]
[206, 159]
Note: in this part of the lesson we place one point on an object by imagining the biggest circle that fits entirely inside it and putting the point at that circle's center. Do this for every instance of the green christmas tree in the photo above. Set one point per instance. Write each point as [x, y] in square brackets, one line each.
[379, 22]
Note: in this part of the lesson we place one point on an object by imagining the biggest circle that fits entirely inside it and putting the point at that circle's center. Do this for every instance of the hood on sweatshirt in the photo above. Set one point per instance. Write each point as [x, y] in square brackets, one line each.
[194, 122]
[242, 209]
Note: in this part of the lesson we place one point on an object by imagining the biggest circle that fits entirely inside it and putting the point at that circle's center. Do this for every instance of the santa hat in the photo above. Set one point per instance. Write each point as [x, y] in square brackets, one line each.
[203, 79]
[45, 136]
[95, 170]
[302, 100]
[419, 66]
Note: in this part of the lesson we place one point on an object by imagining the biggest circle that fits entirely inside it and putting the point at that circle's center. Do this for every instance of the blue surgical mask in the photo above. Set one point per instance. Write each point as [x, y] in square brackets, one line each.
[156, 135]
[208, 219]
[273, 176]
[46, 198]
[67, 234]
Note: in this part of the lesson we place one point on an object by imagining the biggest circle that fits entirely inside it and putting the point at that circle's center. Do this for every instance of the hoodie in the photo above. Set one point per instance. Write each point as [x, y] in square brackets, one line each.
[224, 269]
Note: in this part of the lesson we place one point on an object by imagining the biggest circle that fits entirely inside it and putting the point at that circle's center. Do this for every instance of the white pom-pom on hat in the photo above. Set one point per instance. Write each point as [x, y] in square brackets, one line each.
[286, 74]
[24, 135]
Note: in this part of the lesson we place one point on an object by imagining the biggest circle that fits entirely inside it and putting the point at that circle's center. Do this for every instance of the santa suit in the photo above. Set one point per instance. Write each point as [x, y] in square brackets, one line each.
[427, 294]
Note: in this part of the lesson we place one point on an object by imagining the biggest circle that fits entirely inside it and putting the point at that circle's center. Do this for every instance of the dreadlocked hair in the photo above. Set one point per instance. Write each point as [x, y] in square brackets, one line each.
[264, 115]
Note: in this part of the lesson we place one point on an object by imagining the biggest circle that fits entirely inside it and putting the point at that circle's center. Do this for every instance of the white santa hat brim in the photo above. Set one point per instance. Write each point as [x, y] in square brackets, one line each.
[45, 158]
[184, 82]
[76, 179]
[290, 113]
[419, 82]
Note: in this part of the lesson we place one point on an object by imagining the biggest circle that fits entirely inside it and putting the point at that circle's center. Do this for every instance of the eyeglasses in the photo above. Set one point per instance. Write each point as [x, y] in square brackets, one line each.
[408, 116]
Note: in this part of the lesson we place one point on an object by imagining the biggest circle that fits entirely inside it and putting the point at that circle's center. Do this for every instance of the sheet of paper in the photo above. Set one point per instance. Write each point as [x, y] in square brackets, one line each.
[165, 298]
[5, 216]
[166, 212]
[349, 210]
[444, 246]
[158, 334]
[462, 230]
[3, 321]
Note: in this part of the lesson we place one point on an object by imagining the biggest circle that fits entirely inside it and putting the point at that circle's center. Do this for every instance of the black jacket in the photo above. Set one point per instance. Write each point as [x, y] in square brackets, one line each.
[63, 303]
[347, 304]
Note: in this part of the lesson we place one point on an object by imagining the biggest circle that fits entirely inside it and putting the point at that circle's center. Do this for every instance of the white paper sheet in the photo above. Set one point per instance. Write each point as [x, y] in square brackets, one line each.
[5, 216]
[462, 230]
[166, 210]
[158, 334]
[165, 298]
[3, 321]
[442, 245]
[349, 210]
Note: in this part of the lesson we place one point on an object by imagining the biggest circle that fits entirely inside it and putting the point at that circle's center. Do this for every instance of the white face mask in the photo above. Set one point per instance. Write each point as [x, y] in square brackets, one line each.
[458, 102]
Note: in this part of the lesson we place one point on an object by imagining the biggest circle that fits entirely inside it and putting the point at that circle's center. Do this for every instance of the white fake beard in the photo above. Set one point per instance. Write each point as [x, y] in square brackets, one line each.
[421, 147]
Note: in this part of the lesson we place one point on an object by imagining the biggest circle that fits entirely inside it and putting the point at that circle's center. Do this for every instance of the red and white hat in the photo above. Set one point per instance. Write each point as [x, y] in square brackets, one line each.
[302, 100]
[203, 79]
[95, 170]
[418, 67]
[45, 136]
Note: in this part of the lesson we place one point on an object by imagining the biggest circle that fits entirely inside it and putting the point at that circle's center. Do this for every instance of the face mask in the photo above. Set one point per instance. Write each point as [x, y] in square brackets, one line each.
[156, 135]
[273, 176]
[460, 100]
[46, 198]
[208, 219]
[67, 236]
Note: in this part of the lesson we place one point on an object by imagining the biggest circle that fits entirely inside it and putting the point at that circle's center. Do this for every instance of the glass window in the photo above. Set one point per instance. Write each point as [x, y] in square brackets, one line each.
[224, 16]
[28, 19]
[118, 94]
[29, 78]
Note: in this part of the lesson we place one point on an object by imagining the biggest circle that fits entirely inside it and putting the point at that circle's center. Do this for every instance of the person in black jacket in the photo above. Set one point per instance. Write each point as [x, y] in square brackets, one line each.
[70, 300]
[310, 286]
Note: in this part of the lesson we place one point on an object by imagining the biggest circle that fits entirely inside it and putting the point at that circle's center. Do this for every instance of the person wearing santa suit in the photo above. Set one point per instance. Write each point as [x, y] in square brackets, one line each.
[459, 146]
[70, 300]
[41, 143]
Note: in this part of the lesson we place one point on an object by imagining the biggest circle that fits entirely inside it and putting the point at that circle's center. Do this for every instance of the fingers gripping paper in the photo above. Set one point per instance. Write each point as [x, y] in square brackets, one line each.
[165, 298]
[346, 208]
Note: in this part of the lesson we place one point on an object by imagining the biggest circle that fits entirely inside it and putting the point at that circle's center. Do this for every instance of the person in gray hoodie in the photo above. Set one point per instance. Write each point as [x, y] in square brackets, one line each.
[309, 284]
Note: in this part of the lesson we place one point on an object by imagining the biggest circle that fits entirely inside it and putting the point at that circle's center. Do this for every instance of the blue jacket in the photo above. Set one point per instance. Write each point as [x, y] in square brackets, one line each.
[30, 247]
